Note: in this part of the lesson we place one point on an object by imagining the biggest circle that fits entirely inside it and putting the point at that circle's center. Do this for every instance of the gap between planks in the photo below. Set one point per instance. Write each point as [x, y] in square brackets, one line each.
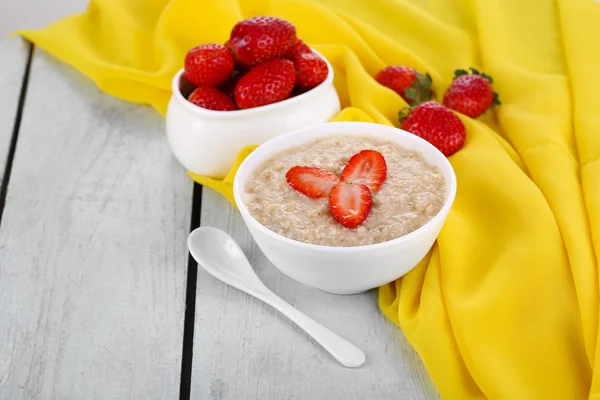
[15, 133]
[190, 303]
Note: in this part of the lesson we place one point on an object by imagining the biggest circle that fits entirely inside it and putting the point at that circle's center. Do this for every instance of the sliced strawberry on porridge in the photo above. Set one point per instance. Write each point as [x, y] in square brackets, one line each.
[350, 204]
[313, 182]
[368, 168]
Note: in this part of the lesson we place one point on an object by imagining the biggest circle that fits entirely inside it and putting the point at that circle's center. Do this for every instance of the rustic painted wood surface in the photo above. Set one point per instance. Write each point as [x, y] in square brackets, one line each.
[93, 260]
[243, 349]
[13, 59]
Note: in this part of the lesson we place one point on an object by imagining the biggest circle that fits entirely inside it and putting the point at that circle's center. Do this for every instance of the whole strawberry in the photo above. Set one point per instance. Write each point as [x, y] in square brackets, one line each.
[211, 99]
[229, 86]
[436, 124]
[471, 94]
[208, 65]
[410, 84]
[267, 83]
[311, 71]
[259, 39]
[299, 47]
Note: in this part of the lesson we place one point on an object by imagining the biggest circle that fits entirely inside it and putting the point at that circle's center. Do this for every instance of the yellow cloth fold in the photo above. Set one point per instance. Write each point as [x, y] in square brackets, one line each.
[506, 304]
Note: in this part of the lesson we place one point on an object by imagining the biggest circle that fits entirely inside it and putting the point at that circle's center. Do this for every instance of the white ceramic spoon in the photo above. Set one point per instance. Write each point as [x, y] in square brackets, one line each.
[221, 257]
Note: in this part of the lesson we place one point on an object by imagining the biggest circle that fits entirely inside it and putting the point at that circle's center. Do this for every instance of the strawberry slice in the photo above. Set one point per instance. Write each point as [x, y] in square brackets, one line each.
[350, 204]
[313, 182]
[368, 168]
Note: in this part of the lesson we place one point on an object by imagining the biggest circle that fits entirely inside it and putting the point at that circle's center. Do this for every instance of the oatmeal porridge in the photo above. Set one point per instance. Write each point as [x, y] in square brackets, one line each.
[412, 193]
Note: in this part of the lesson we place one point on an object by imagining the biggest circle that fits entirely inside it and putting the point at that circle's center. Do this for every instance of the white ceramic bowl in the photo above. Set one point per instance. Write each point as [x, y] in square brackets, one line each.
[207, 142]
[345, 270]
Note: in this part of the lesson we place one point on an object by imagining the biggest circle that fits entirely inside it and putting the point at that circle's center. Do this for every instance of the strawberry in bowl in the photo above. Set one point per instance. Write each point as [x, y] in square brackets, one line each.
[262, 82]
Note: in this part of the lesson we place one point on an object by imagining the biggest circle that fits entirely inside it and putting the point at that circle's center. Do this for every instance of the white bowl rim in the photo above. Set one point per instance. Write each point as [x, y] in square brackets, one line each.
[250, 111]
[350, 249]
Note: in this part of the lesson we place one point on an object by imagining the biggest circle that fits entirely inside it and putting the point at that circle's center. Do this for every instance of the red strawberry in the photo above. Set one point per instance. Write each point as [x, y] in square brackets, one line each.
[299, 47]
[350, 204]
[471, 94]
[410, 84]
[229, 86]
[211, 99]
[260, 39]
[313, 182]
[436, 124]
[267, 83]
[208, 65]
[311, 71]
[367, 168]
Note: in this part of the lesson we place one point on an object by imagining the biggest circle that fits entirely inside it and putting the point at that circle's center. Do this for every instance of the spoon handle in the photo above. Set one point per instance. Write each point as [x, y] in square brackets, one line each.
[342, 350]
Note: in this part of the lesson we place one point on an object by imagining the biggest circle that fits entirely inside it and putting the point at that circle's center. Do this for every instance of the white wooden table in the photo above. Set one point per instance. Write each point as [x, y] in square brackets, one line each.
[98, 297]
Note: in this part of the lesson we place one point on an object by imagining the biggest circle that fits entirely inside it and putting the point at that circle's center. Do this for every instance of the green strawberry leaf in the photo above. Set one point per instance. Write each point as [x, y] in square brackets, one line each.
[475, 72]
[496, 101]
[422, 89]
[489, 78]
[403, 113]
[419, 81]
[460, 72]
[411, 94]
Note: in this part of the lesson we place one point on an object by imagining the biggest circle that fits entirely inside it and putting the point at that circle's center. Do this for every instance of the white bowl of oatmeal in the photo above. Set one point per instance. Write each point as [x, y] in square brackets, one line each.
[299, 235]
[207, 142]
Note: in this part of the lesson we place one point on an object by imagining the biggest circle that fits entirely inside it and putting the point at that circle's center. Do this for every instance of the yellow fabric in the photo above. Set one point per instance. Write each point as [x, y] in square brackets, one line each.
[506, 304]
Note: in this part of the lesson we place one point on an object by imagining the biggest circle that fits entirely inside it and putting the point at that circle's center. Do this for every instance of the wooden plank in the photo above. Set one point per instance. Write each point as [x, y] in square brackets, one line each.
[35, 14]
[13, 58]
[243, 349]
[93, 257]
